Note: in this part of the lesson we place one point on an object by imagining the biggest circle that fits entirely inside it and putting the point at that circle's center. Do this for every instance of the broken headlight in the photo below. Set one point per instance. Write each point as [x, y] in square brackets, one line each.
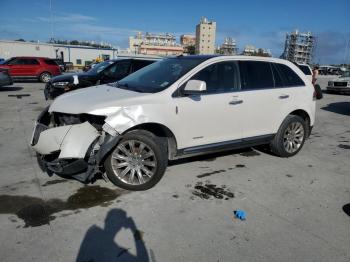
[62, 119]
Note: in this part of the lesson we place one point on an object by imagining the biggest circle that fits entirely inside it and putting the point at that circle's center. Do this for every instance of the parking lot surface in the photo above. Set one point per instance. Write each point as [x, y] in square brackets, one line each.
[297, 209]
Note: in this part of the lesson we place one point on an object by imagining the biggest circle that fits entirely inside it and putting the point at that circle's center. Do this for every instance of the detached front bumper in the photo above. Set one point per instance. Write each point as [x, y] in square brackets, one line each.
[74, 151]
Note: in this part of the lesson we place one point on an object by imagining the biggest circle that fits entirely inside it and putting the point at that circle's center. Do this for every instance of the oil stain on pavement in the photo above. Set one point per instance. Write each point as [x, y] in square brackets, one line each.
[208, 191]
[219, 171]
[344, 146]
[37, 211]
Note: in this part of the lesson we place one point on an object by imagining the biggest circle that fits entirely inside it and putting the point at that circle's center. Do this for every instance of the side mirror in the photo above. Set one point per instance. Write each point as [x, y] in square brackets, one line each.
[194, 87]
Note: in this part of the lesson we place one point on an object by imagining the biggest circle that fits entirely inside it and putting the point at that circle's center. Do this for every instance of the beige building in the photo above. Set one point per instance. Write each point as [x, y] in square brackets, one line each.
[205, 37]
[187, 40]
[154, 44]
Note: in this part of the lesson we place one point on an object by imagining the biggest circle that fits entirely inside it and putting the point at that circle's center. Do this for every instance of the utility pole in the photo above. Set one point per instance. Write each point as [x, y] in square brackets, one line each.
[51, 20]
[346, 51]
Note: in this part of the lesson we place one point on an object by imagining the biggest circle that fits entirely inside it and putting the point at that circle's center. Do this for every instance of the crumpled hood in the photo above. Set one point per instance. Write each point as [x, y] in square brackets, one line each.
[96, 100]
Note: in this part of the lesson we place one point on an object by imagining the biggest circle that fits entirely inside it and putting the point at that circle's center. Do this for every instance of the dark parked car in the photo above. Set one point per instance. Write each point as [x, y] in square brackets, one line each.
[41, 68]
[5, 78]
[103, 73]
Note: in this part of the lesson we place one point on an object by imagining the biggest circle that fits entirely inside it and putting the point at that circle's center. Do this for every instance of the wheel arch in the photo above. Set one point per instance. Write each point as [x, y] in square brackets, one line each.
[305, 116]
[159, 130]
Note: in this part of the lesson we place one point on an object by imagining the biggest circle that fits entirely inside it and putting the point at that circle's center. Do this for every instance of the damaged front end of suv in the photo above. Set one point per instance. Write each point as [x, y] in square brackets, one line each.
[72, 145]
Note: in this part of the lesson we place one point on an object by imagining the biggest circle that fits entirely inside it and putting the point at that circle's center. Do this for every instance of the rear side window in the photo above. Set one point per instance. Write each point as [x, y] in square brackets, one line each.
[50, 62]
[306, 70]
[290, 78]
[255, 75]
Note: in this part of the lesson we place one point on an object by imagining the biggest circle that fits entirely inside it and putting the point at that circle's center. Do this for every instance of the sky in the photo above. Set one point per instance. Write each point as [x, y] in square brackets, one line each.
[262, 23]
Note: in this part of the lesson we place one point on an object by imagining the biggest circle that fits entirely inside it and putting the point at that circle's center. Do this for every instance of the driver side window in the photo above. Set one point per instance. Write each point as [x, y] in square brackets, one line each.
[16, 61]
[118, 70]
[220, 77]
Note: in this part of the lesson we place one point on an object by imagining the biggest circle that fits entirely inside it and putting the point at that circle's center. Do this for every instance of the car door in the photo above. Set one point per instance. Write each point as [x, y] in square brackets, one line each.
[213, 116]
[30, 67]
[16, 67]
[116, 71]
[263, 104]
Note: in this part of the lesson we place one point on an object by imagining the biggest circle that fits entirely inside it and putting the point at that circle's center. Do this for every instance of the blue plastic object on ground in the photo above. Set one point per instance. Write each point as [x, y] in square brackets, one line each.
[240, 214]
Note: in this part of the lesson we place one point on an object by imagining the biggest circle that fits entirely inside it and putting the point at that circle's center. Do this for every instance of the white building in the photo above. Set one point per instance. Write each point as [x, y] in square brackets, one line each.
[299, 47]
[205, 37]
[228, 47]
[154, 44]
[78, 55]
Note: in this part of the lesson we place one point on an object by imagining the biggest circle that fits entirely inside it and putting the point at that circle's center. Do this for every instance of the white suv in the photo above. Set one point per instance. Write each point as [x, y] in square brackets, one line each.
[177, 107]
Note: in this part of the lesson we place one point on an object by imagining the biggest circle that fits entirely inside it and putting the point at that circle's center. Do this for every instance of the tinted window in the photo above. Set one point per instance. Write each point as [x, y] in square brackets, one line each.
[99, 67]
[138, 64]
[16, 61]
[306, 70]
[255, 75]
[290, 78]
[118, 69]
[31, 61]
[50, 62]
[278, 80]
[219, 77]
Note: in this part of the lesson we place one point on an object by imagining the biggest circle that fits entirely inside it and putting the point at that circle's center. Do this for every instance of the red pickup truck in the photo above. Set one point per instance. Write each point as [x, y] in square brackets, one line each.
[40, 68]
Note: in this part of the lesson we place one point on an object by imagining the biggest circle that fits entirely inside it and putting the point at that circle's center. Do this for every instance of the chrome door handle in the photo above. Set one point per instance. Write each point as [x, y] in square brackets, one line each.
[236, 102]
[283, 96]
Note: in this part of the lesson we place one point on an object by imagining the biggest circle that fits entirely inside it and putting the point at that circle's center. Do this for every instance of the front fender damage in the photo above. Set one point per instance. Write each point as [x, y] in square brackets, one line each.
[127, 117]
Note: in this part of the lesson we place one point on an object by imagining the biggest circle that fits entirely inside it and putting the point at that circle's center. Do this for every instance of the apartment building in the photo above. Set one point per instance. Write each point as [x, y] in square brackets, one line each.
[205, 36]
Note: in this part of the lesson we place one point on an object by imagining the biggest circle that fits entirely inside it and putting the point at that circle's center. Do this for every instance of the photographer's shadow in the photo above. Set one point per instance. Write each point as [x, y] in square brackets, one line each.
[99, 246]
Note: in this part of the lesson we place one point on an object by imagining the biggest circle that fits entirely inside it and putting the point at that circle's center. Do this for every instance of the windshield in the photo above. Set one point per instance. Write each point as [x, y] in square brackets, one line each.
[160, 75]
[99, 67]
[346, 74]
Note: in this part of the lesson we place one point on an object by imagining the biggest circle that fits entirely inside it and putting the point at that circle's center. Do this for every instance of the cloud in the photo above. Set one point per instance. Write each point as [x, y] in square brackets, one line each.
[66, 18]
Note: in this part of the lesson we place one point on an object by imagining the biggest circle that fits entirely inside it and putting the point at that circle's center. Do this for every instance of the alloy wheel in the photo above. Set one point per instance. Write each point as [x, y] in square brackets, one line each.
[293, 137]
[45, 77]
[134, 162]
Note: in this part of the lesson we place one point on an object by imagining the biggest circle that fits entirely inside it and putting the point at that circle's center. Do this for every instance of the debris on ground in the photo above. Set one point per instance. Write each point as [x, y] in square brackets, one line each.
[240, 214]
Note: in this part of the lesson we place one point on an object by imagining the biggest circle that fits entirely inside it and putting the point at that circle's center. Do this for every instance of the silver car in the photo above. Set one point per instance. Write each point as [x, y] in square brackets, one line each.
[341, 84]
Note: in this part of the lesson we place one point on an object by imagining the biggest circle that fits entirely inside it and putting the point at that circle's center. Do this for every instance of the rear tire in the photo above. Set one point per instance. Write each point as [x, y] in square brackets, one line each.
[45, 77]
[290, 137]
[138, 162]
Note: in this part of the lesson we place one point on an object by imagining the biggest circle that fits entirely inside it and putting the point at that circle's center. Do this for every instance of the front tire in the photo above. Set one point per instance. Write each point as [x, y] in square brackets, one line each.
[45, 77]
[138, 162]
[290, 137]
